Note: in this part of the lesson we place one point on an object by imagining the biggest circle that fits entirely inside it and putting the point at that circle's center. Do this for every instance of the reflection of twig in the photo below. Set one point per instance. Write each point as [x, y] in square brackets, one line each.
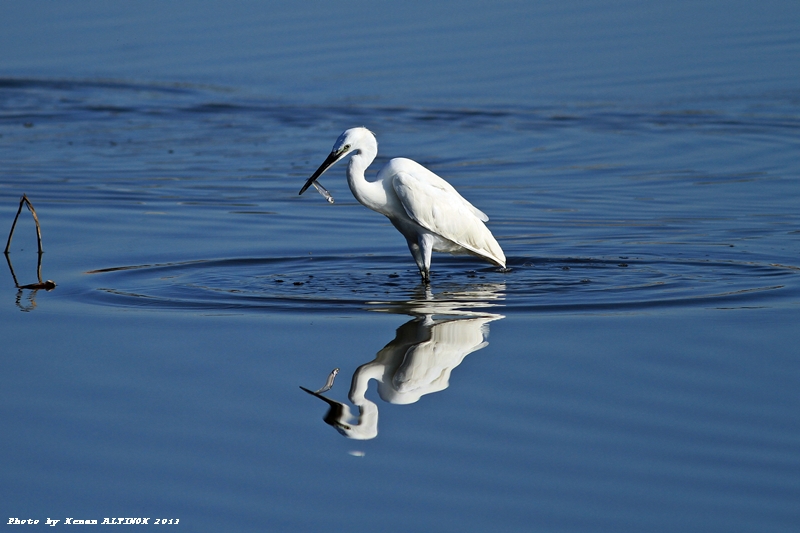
[11, 268]
[24, 201]
[48, 285]
[26, 307]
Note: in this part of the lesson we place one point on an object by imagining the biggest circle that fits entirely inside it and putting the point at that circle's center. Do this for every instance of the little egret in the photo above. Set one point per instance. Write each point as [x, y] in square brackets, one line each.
[427, 210]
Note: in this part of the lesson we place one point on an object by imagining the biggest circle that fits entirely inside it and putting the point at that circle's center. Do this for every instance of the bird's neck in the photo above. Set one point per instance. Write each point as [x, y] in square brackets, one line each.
[369, 194]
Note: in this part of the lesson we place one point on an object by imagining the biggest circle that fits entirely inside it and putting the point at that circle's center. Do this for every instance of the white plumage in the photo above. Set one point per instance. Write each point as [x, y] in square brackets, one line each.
[427, 210]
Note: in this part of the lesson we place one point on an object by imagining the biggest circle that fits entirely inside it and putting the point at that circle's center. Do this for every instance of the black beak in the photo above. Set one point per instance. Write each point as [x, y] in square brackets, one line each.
[329, 161]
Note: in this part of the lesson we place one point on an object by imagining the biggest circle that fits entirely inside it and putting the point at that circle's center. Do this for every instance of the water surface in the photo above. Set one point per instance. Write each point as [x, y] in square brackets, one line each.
[635, 369]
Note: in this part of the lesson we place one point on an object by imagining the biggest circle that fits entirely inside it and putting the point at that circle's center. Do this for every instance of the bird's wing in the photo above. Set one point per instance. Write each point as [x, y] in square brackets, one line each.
[409, 166]
[445, 213]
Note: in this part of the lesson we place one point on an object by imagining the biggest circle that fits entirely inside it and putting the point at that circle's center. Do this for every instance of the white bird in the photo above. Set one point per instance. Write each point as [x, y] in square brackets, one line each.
[427, 210]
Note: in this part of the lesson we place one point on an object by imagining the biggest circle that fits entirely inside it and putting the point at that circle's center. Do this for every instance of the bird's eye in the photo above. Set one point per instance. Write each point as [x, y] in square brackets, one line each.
[345, 148]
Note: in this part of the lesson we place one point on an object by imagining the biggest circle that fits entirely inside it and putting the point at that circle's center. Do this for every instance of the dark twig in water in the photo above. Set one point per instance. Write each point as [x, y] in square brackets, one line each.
[46, 285]
[24, 201]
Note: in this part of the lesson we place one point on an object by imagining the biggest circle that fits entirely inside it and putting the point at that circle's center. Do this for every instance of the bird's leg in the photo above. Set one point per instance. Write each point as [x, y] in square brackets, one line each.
[426, 247]
[419, 258]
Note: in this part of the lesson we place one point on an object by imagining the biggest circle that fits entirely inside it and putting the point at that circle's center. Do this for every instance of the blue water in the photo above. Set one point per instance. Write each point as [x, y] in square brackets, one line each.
[636, 368]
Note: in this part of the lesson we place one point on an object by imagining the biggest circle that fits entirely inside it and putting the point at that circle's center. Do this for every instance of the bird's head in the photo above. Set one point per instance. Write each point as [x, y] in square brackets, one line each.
[351, 141]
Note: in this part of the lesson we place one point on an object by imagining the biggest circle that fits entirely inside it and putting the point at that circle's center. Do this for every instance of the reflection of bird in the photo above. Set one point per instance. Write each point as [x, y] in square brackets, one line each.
[417, 362]
[421, 357]
[364, 427]
[427, 210]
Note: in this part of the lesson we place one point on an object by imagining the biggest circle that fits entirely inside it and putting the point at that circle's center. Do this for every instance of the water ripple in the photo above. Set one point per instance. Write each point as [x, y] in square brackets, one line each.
[349, 283]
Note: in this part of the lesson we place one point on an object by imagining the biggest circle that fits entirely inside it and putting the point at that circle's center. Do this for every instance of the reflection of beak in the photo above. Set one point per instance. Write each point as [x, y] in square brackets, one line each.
[337, 413]
[332, 158]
